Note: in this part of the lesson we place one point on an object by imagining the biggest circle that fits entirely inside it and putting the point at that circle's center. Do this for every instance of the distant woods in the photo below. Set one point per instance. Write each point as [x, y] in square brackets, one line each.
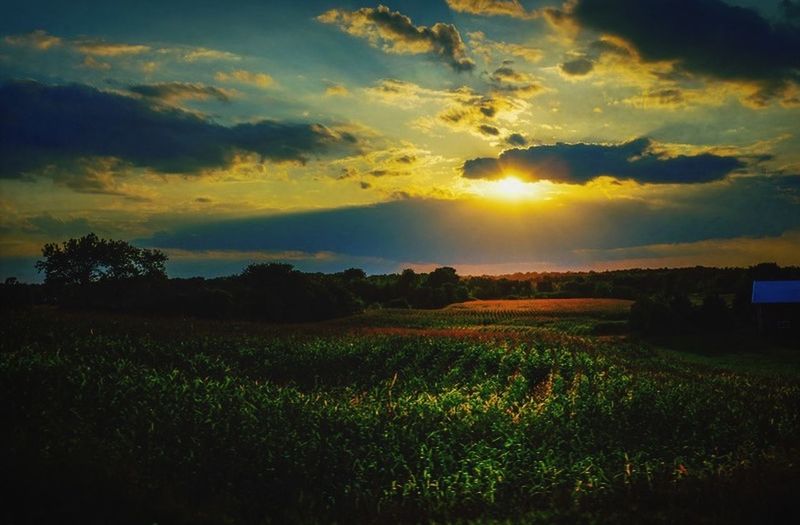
[99, 274]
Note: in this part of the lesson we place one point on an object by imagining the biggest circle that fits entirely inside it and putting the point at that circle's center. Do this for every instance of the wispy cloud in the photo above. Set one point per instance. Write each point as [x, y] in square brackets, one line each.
[494, 51]
[241, 76]
[89, 62]
[172, 92]
[99, 48]
[202, 53]
[38, 39]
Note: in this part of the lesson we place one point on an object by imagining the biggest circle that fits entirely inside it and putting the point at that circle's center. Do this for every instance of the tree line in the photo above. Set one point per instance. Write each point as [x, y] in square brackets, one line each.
[109, 275]
[100, 274]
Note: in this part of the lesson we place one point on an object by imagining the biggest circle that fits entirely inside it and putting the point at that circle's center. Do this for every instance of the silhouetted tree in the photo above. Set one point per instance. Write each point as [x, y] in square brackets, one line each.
[90, 259]
[442, 286]
[766, 271]
[407, 281]
[354, 274]
[441, 276]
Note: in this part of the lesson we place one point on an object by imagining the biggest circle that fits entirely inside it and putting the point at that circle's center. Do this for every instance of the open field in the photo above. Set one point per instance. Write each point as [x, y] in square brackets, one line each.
[566, 316]
[485, 411]
[551, 307]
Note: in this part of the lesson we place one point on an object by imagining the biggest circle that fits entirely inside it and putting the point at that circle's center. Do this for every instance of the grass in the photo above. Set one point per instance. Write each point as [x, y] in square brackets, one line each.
[393, 416]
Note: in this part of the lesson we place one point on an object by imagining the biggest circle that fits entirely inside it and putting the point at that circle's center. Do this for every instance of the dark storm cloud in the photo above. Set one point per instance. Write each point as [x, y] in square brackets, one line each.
[44, 125]
[707, 37]
[585, 63]
[176, 91]
[666, 97]
[516, 140]
[790, 9]
[400, 35]
[577, 67]
[92, 175]
[468, 110]
[505, 73]
[605, 47]
[580, 163]
[488, 130]
[506, 79]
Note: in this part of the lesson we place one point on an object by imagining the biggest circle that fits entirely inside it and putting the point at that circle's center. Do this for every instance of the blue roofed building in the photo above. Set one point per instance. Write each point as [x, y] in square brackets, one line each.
[777, 305]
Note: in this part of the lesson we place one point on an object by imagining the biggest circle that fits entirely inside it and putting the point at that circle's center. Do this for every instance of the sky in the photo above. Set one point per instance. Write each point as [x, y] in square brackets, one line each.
[494, 136]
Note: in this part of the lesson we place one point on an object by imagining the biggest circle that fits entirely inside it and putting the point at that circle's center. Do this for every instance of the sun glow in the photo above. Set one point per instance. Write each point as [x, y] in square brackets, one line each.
[510, 188]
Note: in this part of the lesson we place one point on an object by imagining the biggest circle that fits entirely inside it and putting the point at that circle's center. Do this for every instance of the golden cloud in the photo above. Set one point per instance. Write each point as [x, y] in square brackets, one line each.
[38, 39]
[394, 32]
[336, 90]
[740, 251]
[173, 92]
[89, 62]
[492, 8]
[461, 109]
[402, 93]
[260, 80]
[109, 49]
[508, 80]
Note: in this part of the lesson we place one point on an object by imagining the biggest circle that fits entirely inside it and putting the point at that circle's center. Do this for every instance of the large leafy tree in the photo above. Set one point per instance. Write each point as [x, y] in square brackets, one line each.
[90, 259]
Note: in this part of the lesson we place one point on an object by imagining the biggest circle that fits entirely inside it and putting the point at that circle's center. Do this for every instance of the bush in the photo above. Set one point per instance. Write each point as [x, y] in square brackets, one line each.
[677, 315]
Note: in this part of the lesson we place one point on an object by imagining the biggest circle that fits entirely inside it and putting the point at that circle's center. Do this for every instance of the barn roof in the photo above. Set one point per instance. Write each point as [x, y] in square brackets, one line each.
[765, 292]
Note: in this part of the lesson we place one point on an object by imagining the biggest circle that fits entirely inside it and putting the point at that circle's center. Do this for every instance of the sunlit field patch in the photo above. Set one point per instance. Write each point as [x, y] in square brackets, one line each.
[548, 306]
[514, 317]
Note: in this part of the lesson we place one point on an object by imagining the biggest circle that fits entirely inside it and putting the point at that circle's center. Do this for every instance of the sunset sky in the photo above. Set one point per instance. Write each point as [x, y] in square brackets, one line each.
[490, 135]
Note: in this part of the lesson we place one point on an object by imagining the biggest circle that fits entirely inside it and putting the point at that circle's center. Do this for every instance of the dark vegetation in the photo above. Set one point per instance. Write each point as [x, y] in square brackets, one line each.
[92, 273]
[98, 274]
[111, 419]
[393, 414]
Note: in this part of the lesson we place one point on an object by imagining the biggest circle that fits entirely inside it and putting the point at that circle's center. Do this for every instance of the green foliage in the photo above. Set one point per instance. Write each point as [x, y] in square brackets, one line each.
[186, 422]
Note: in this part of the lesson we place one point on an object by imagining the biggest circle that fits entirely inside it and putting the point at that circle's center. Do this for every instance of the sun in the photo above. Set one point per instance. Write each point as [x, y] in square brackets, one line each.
[510, 187]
